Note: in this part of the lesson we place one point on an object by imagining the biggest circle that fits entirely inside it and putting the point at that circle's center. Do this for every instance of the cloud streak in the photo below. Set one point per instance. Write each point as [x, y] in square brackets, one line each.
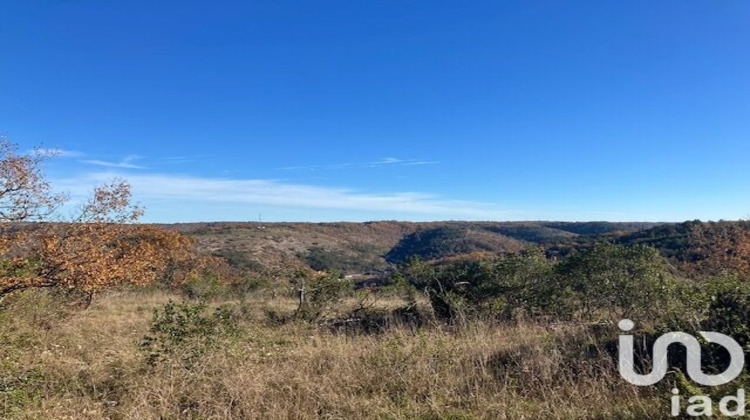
[173, 190]
[126, 163]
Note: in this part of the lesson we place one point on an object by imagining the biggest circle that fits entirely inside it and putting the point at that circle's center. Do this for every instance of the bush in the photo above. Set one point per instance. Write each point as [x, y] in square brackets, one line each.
[204, 287]
[319, 294]
[613, 280]
[604, 282]
[501, 287]
[729, 308]
[517, 285]
[185, 331]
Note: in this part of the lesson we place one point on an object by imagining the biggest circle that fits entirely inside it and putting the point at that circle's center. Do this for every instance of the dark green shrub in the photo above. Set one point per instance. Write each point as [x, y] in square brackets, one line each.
[604, 282]
[517, 284]
[729, 308]
[186, 332]
[318, 295]
[204, 287]
[613, 281]
[503, 287]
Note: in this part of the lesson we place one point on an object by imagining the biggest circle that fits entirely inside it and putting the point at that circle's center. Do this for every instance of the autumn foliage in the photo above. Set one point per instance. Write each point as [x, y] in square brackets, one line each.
[719, 247]
[98, 246]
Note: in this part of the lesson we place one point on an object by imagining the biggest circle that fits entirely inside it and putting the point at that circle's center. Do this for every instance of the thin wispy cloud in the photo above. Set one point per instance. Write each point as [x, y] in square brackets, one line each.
[126, 163]
[176, 190]
[388, 161]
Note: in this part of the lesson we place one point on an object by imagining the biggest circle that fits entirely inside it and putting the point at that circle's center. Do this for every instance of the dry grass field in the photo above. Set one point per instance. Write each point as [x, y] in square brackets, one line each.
[59, 363]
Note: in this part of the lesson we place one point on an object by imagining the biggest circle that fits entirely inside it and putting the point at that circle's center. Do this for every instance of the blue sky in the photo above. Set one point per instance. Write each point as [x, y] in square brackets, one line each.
[367, 110]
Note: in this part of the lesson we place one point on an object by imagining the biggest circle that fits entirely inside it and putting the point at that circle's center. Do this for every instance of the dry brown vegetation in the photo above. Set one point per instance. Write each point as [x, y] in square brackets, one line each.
[87, 365]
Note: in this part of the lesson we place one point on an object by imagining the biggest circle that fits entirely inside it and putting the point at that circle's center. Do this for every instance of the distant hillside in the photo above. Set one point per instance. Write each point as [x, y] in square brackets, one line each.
[531, 232]
[672, 240]
[451, 240]
[700, 248]
[361, 247]
[348, 247]
[599, 228]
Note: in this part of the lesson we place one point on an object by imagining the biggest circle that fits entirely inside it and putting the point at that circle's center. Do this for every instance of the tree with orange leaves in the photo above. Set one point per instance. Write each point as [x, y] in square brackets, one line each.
[25, 194]
[100, 246]
[717, 247]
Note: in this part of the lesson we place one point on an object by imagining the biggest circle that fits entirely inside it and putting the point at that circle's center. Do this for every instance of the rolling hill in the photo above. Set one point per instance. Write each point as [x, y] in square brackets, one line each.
[373, 246]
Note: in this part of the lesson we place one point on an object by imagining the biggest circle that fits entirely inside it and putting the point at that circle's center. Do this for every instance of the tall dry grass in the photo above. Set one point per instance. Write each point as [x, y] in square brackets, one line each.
[61, 364]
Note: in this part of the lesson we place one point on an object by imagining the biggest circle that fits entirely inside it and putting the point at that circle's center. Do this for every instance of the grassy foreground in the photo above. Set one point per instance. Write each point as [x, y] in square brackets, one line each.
[62, 364]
